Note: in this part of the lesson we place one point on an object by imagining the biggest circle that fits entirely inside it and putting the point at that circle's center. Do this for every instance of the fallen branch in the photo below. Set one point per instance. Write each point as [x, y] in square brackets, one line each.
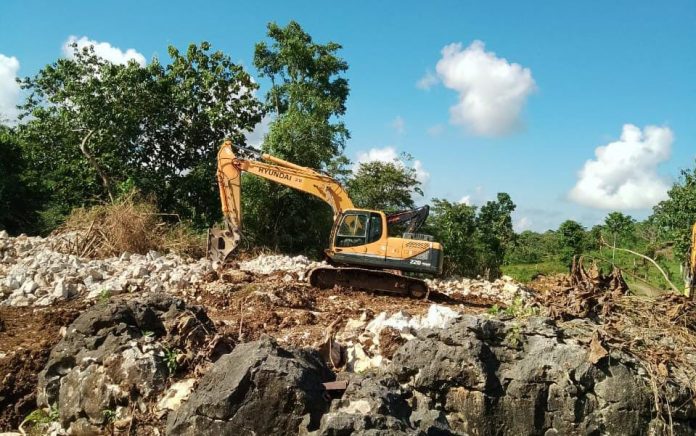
[664, 274]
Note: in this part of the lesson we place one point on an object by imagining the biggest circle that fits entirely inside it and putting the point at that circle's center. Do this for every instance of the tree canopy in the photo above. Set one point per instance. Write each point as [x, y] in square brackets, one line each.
[94, 128]
[306, 101]
[388, 186]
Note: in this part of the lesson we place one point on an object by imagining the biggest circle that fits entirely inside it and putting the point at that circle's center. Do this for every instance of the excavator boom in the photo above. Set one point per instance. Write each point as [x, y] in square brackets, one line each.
[222, 242]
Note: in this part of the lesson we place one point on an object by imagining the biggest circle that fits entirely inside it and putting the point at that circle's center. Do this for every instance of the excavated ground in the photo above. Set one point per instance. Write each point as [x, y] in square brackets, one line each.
[27, 335]
[43, 290]
[244, 306]
[298, 314]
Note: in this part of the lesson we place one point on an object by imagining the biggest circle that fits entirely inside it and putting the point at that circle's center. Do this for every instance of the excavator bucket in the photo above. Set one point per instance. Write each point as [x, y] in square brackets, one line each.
[222, 242]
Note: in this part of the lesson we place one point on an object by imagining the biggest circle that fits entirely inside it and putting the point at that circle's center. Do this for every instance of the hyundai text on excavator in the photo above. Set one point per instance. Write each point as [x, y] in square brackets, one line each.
[362, 252]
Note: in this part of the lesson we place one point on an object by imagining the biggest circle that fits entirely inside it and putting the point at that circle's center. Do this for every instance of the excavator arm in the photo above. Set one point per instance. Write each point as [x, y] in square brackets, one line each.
[221, 242]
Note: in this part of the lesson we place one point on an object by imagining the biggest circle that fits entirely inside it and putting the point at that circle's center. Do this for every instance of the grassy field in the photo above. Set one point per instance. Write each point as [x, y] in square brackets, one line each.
[641, 275]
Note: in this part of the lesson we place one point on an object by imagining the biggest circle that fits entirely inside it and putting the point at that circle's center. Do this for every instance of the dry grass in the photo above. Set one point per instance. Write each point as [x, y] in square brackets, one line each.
[131, 224]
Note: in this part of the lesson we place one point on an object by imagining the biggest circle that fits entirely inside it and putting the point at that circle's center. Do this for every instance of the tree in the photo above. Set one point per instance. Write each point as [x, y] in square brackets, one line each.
[494, 233]
[529, 247]
[454, 226]
[385, 186]
[18, 199]
[95, 126]
[571, 238]
[306, 99]
[620, 227]
[675, 216]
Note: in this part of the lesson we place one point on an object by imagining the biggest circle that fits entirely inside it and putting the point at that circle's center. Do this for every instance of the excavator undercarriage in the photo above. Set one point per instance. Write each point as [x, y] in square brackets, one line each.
[327, 277]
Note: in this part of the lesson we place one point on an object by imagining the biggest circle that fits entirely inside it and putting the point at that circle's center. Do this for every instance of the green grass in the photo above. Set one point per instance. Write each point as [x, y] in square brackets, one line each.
[638, 272]
[526, 272]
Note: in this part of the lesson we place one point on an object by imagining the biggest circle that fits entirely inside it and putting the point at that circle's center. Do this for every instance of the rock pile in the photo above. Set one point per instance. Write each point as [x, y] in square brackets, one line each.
[366, 343]
[268, 264]
[505, 289]
[485, 375]
[34, 274]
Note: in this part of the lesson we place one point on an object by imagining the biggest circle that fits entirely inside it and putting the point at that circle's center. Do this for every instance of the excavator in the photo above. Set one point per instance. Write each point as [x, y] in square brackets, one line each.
[690, 267]
[362, 254]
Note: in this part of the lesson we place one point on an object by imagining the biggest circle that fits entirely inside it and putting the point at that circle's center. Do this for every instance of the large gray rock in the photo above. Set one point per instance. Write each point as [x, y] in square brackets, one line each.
[372, 404]
[489, 376]
[259, 388]
[117, 356]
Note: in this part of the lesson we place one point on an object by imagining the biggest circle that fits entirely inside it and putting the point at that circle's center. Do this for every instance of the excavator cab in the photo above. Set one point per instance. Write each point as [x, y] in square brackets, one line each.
[361, 237]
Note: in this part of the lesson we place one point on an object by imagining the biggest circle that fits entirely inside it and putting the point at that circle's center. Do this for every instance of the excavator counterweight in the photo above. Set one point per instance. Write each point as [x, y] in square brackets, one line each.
[361, 250]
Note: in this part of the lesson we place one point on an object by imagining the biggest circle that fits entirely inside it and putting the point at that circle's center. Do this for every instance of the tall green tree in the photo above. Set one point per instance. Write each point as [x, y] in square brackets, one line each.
[94, 127]
[675, 216]
[18, 197]
[494, 233]
[619, 227]
[388, 186]
[306, 101]
[571, 239]
[454, 226]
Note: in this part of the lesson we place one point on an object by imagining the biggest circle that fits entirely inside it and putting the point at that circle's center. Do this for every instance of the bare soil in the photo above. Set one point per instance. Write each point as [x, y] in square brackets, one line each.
[27, 335]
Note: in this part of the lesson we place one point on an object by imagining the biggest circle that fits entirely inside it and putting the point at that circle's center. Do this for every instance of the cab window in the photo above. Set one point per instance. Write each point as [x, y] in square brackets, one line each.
[352, 231]
[375, 230]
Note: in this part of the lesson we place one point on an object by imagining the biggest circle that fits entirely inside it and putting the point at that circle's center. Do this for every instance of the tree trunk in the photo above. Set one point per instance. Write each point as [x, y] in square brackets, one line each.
[95, 165]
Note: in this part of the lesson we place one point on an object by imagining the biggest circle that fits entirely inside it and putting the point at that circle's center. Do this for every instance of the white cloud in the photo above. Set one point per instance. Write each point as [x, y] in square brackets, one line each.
[422, 175]
[9, 88]
[492, 91]
[399, 125]
[465, 200]
[389, 154]
[104, 50]
[623, 174]
[522, 224]
[427, 81]
[386, 154]
[436, 130]
[255, 137]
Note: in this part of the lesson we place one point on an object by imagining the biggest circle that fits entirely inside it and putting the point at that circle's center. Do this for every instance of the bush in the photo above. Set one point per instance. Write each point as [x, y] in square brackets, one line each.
[131, 224]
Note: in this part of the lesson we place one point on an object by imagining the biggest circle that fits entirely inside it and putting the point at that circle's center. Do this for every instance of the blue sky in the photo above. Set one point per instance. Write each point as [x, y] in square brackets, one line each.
[592, 66]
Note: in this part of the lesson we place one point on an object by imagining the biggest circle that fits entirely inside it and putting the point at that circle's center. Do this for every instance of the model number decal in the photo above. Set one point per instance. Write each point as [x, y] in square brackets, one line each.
[419, 262]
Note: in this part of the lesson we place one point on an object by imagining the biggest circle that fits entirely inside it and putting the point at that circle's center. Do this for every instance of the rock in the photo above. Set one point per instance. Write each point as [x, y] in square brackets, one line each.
[369, 404]
[487, 375]
[176, 393]
[259, 388]
[29, 286]
[114, 355]
[268, 264]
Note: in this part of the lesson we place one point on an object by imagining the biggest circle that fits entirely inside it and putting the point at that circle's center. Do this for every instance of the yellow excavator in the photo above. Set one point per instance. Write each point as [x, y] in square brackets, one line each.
[690, 267]
[361, 252]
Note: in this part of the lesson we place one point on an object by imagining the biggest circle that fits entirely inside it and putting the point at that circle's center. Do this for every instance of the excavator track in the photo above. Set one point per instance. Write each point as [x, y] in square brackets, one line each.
[326, 277]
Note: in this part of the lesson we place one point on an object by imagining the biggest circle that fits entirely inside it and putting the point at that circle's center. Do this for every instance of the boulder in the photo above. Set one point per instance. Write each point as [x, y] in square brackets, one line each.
[259, 388]
[117, 356]
[492, 376]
